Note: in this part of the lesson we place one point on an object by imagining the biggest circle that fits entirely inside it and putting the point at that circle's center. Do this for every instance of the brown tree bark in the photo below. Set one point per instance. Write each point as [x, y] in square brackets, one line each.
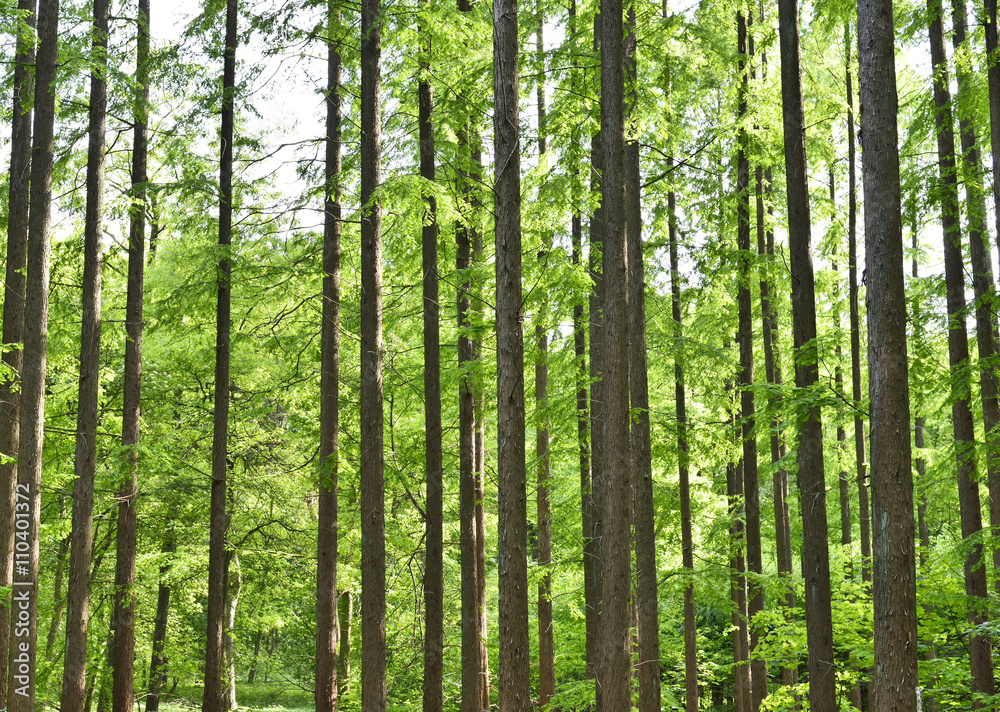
[546, 642]
[58, 597]
[812, 486]
[981, 654]
[219, 523]
[993, 87]
[13, 311]
[433, 691]
[327, 621]
[513, 678]
[158, 659]
[373, 654]
[683, 463]
[27, 509]
[82, 538]
[894, 684]
[751, 489]
[647, 600]
[123, 652]
[742, 691]
[860, 459]
[233, 585]
[982, 272]
[613, 675]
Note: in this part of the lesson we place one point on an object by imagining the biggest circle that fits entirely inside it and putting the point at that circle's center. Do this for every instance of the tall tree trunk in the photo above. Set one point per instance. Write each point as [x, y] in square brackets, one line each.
[373, 656]
[82, 539]
[212, 699]
[894, 684]
[158, 659]
[615, 653]
[433, 692]
[742, 691]
[982, 271]
[812, 486]
[345, 614]
[864, 520]
[683, 462]
[546, 643]
[751, 490]
[123, 654]
[993, 85]
[59, 600]
[327, 628]
[981, 654]
[647, 602]
[27, 516]
[513, 679]
[13, 312]
[233, 585]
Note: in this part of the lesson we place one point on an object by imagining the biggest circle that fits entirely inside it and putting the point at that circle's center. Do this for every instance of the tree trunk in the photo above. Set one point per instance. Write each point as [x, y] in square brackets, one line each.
[742, 691]
[233, 585]
[158, 659]
[642, 462]
[683, 461]
[59, 600]
[513, 679]
[993, 84]
[812, 486]
[854, 300]
[212, 697]
[894, 684]
[433, 692]
[981, 654]
[252, 672]
[546, 644]
[758, 675]
[123, 653]
[27, 510]
[345, 614]
[615, 655]
[327, 629]
[982, 272]
[13, 312]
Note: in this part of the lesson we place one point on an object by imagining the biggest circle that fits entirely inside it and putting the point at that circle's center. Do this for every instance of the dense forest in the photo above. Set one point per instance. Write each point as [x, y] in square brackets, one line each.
[349, 364]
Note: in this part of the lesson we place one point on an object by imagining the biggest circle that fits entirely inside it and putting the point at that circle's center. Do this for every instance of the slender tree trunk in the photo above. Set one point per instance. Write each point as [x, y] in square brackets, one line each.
[82, 539]
[894, 684]
[546, 643]
[345, 614]
[982, 272]
[854, 300]
[158, 660]
[812, 487]
[233, 586]
[373, 655]
[742, 690]
[993, 84]
[59, 600]
[252, 672]
[327, 628]
[212, 699]
[615, 654]
[433, 692]
[758, 675]
[513, 679]
[27, 510]
[13, 312]
[642, 462]
[981, 654]
[683, 462]
[123, 654]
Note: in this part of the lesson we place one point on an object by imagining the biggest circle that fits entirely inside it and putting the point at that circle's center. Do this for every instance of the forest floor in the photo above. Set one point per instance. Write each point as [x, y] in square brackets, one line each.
[259, 697]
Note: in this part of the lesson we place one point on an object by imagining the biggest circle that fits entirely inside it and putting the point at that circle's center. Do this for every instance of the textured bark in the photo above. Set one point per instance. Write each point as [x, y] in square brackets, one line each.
[327, 627]
[751, 489]
[894, 684]
[546, 643]
[742, 691]
[158, 659]
[981, 654]
[982, 272]
[683, 462]
[647, 600]
[373, 656]
[433, 691]
[219, 523]
[345, 614]
[993, 86]
[513, 678]
[233, 584]
[860, 459]
[613, 675]
[36, 318]
[13, 313]
[59, 600]
[123, 653]
[812, 487]
[82, 539]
